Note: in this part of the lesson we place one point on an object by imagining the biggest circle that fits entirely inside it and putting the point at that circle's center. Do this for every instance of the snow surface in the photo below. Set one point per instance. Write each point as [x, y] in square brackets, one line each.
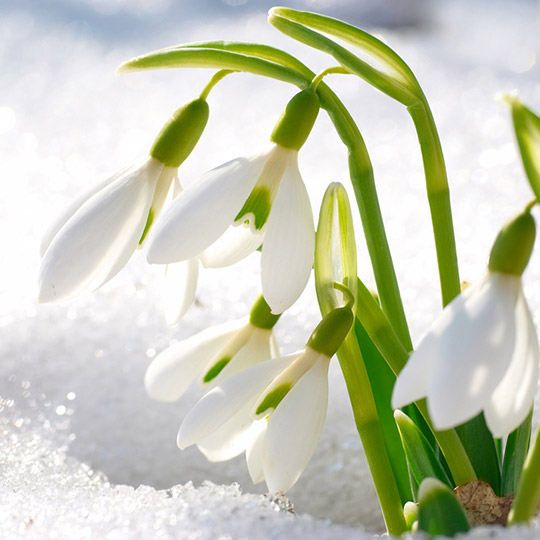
[79, 434]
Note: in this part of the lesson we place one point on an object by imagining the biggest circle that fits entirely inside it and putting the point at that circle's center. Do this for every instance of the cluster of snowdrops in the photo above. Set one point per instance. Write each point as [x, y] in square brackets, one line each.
[465, 393]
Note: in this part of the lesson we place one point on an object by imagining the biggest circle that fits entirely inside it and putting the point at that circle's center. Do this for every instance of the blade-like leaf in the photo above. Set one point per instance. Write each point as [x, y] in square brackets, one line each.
[515, 453]
[423, 461]
[480, 447]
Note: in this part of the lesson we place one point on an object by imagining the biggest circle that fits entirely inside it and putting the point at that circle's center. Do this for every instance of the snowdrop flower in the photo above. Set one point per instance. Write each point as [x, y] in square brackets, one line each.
[231, 210]
[213, 355]
[482, 353]
[275, 411]
[96, 235]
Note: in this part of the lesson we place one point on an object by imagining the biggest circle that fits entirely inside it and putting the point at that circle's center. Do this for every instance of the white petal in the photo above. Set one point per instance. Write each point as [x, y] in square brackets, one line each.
[255, 450]
[289, 244]
[412, 382]
[513, 397]
[229, 440]
[203, 211]
[173, 370]
[255, 351]
[223, 402]
[98, 240]
[236, 243]
[476, 337]
[179, 288]
[295, 427]
[68, 212]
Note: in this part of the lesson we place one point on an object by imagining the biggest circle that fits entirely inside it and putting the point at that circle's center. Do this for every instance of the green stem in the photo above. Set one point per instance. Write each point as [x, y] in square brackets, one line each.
[368, 426]
[528, 493]
[214, 80]
[365, 192]
[439, 199]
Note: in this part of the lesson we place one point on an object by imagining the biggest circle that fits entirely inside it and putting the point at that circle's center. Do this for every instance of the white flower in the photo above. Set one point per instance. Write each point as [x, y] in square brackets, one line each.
[228, 213]
[275, 411]
[96, 235]
[480, 355]
[212, 355]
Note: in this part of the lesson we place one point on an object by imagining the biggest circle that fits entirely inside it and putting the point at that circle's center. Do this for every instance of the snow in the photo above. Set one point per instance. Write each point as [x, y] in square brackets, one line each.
[79, 434]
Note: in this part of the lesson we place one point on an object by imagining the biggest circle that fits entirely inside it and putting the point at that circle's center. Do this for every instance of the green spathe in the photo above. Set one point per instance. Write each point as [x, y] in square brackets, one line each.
[181, 133]
[513, 246]
[261, 315]
[296, 122]
[331, 331]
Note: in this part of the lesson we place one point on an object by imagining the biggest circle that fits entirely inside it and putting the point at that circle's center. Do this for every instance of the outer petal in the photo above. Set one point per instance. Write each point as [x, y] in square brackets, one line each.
[289, 244]
[223, 402]
[476, 339]
[172, 371]
[236, 243]
[230, 439]
[295, 427]
[68, 212]
[513, 397]
[202, 212]
[255, 450]
[179, 288]
[100, 237]
[412, 382]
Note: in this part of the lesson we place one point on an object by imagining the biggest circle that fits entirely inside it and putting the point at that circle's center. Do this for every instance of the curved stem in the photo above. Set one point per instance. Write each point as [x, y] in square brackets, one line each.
[214, 80]
[439, 200]
[369, 429]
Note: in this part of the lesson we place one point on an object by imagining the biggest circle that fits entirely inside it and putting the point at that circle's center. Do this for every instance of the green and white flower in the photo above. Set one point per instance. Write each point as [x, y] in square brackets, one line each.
[213, 355]
[92, 240]
[233, 209]
[275, 411]
[482, 353]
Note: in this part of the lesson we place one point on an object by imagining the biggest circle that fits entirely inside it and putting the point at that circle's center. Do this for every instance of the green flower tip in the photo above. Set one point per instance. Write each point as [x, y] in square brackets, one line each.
[513, 246]
[273, 399]
[296, 122]
[331, 331]
[216, 369]
[261, 315]
[181, 133]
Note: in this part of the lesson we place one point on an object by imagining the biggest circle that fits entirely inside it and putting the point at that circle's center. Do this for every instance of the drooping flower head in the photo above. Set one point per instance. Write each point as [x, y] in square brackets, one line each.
[231, 210]
[213, 355]
[482, 353]
[92, 240]
[275, 411]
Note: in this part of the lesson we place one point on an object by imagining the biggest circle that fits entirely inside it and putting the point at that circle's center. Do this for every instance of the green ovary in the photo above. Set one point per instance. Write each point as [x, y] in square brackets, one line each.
[258, 203]
[216, 369]
[273, 399]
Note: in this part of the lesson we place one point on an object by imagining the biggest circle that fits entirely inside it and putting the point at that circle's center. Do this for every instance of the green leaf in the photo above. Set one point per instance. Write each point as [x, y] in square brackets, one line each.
[515, 452]
[439, 512]
[382, 381]
[482, 451]
[423, 462]
[382, 67]
[527, 129]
